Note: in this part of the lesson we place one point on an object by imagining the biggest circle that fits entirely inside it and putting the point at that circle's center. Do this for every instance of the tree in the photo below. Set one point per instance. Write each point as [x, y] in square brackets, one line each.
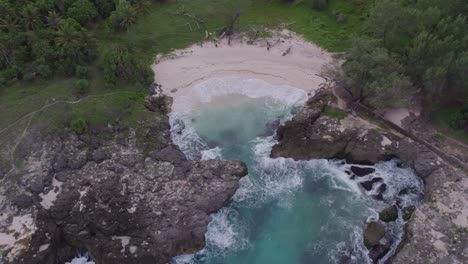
[53, 19]
[105, 7]
[31, 17]
[118, 63]
[74, 43]
[371, 76]
[390, 22]
[123, 17]
[82, 11]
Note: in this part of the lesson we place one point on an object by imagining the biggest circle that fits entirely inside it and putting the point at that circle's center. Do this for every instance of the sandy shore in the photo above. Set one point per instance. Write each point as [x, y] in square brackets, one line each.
[179, 72]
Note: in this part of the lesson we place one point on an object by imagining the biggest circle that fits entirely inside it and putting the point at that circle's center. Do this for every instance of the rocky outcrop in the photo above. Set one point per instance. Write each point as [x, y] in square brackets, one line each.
[124, 195]
[389, 214]
[373, 233]
[314, 134]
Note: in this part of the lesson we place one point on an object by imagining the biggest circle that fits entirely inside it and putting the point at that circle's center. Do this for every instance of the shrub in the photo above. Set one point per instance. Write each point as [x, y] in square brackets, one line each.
[81, 71]
[44, 71]
[119, 64]
[79, 125]
[28, 76]
[457, 120]
[10, 73]
[81, 86]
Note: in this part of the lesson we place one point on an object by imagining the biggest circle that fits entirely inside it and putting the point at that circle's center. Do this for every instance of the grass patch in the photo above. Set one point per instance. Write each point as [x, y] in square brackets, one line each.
[160, 31]
[334, 113]
[441, 120]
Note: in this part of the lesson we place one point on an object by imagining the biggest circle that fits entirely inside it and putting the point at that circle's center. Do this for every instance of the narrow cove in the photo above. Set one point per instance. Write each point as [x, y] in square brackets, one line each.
[285, 211]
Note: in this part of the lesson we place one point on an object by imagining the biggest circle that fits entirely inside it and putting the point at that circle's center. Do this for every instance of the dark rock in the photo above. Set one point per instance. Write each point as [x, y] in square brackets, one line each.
[121, 140]
[378, 251]
[159, 103]
[178, 126]
[373, 233]
[361, 171]
[129, 160]
[170, 153]
[36, 187]
[389, 214]
[23, 201]
[77, 161]
[407, 212]
[368, 184]
[60, 162]
[346, 256]
[270, 128]
[99, 155]
[116, 169]
[91, 141]
[63, 176]
[382, 188]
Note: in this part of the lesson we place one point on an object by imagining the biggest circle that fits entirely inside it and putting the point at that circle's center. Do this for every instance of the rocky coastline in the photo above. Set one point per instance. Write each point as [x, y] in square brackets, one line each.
[435, 232]
[123, 195]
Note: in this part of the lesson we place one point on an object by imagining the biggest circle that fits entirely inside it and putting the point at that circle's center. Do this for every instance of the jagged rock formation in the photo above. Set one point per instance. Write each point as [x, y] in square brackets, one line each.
[125, 195]
[437, 231]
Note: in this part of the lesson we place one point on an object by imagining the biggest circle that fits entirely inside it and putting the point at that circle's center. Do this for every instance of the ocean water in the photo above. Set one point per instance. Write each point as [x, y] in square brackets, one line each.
[285, 211]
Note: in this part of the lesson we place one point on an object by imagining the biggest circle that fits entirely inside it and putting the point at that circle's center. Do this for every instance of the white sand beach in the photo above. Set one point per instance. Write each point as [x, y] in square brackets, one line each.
[182, 70]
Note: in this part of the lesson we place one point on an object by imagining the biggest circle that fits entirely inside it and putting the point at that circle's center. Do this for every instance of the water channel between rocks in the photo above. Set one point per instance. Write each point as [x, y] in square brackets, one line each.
[285, 211]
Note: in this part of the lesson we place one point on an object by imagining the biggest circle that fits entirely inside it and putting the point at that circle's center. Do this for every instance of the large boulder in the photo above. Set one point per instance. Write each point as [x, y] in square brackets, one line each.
[389, 214]
[361, 171]
[373, 233]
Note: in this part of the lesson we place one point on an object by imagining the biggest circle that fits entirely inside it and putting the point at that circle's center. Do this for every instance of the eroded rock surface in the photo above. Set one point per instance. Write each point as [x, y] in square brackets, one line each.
[125, 196]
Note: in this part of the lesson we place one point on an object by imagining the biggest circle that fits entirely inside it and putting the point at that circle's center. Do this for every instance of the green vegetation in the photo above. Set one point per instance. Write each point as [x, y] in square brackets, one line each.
[52, 53]
[452, 121]
[411, 48]
[334, 113]
[79, 125]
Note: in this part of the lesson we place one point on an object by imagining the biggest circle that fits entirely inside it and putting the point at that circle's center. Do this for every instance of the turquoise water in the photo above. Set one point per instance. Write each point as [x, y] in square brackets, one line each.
[284, 211]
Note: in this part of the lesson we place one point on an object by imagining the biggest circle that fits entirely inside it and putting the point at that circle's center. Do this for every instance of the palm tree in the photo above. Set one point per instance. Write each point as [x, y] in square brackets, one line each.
[31, 17]
[73, 43]
[9, 24]
[142, 6]
[68, 39]
[128, 17]
[53, 19]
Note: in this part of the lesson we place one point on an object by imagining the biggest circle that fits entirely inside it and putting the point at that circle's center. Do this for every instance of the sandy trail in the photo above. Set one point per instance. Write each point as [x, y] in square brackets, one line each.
[184, 69]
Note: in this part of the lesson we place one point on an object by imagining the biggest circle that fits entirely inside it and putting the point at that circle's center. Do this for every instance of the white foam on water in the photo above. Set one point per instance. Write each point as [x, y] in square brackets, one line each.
[204, 92]
[222, 233]
[183, 135]
[183, 259]
[80, 260]
[280, 178]
[214, 153]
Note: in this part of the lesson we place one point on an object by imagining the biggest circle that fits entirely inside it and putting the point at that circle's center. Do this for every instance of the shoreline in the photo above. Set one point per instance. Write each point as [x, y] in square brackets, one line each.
[290, 61]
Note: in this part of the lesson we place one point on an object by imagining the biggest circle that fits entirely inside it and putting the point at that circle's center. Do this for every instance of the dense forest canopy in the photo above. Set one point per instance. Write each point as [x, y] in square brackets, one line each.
[412, 47]
[41, 38]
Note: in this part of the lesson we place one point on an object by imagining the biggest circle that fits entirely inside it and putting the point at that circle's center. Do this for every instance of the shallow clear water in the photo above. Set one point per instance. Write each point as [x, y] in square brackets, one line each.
[285, 211]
